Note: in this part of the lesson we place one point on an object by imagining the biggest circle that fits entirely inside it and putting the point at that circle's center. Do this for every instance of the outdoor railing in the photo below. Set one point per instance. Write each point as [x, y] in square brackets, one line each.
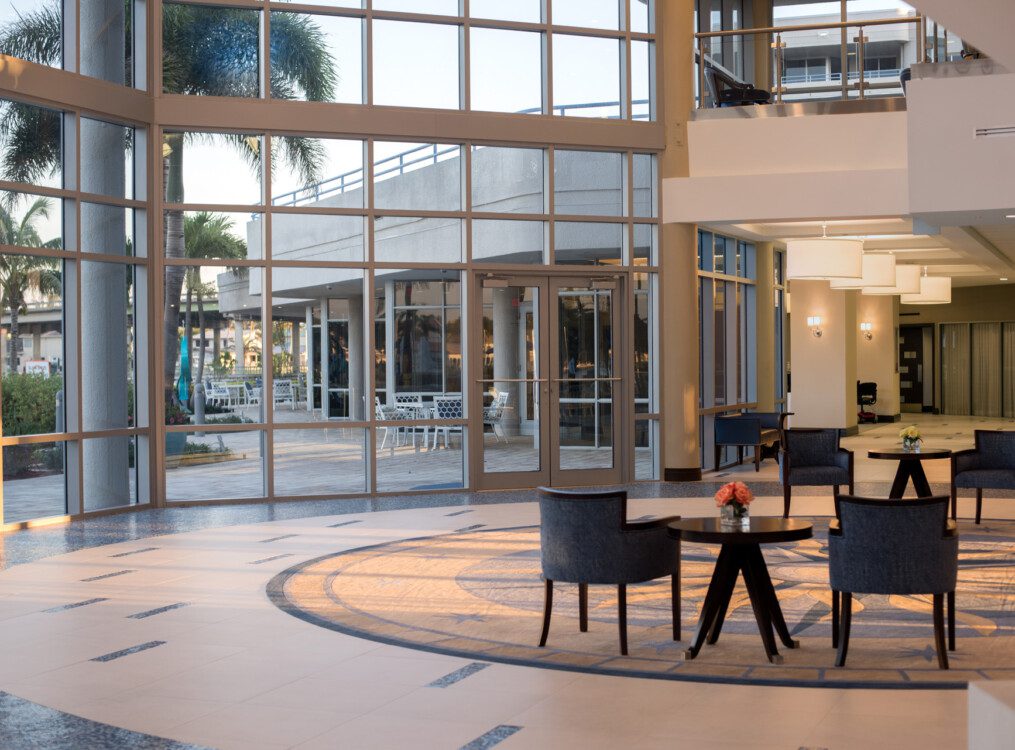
[851, 54]
[429, 153]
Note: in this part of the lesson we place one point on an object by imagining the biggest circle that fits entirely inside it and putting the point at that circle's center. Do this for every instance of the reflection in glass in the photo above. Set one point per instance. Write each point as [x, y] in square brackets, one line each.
[508, 180]
[333, 51]
[33, 356]
[108, 229]
[107, 158]
[33, 31]
[642, 79]
[511, 367]
[411, 466]
[528, 11]
[507, 241]
[317, 172]
[411, 239]
[320, 462]
[643, 253]
[586, 76]
[317, 237]
[646, 447]
[588, 183]
[644, 185]
[593, 14]
[415, 64]
[34, 482]
[417, 176]
[214, 465]
[212, 168]
[642, 16]
[643, 344]
[31, 140]
[430, 7]
[107, 354]
[585, 243]
[211, 51]
[506, 70]
[213, 235]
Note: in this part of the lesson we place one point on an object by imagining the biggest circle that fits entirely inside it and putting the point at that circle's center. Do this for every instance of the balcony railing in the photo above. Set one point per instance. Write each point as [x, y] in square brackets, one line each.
[852, 44]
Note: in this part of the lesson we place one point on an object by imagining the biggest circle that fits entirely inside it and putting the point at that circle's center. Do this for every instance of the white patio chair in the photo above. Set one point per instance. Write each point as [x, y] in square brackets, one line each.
[282, 393]
[494, 414]
[447, 407]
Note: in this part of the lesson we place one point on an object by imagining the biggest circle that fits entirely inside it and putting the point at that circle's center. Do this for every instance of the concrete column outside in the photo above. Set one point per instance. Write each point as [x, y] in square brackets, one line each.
[824, 368]
[357, 369]
[505, 352]
[678, 308]
[325, 379]
[765, 326]
[389, 341]
[239, 351]
[308, 332]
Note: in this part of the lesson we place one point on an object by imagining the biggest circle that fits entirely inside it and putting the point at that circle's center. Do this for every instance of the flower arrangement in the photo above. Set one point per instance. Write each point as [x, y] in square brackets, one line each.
[911, 438]
[733, 500]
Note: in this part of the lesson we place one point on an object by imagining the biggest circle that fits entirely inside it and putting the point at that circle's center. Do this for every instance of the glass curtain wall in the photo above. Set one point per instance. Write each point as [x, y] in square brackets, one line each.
[74, 290]
[727, 315]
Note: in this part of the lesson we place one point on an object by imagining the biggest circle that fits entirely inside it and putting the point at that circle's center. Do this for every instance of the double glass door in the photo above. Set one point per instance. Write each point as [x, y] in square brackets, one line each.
[548, 385]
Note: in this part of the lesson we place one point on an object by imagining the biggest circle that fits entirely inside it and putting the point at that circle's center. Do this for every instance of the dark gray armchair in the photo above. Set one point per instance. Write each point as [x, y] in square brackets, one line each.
[760, 430]
[990, 465]
[585, 538]
[812, 458]
[892, 547]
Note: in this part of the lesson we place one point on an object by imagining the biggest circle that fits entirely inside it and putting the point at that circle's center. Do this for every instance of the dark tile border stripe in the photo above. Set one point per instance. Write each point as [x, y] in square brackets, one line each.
[277, 538]
[459, 674]
[344, 523]
[156, 611]
[273, 557]
[494, 737]
[470, 528]
[275, 590]
[128, 651]
[458, 513]
[107, 575]
[75, 605]
[134, 552]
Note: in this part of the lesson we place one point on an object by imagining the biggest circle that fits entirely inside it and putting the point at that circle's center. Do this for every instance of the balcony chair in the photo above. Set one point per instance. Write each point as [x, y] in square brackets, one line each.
[892, 547]
[585, 538]
[990, 465]
[760, 430]
[727, 91]
[812, 458]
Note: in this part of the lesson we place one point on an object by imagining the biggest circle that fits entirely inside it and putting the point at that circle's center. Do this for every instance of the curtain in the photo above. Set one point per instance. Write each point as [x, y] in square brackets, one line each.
[955, 368]
[1008, 369]
[986, 365]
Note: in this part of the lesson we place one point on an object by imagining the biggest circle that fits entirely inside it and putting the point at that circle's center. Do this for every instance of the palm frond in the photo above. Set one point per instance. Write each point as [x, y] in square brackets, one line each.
[36, 36]
[300, 57]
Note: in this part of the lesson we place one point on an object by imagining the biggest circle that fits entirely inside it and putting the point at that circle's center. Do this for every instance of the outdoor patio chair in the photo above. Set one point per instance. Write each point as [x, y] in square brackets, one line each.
[990, 465]
[447, 407]
[253, 394]
[585, 538]
[216, 392]
[282, 393]
[812, 458]
[410, 406]
[892, 547]
[494, 414]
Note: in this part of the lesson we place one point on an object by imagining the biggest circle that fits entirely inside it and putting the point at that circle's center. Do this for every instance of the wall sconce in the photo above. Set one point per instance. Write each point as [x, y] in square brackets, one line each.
[867, 329]
[814, 323]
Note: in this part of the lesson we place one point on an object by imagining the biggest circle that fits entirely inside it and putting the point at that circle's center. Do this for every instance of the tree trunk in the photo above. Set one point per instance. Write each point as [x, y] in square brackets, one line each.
[174, 248]
[201, 341]
[12, 361]
[187, 335]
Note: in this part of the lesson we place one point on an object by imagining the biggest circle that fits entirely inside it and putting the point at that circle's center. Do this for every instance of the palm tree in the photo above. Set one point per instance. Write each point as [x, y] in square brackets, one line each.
[23, 275]
[206, 51]
[206, 236]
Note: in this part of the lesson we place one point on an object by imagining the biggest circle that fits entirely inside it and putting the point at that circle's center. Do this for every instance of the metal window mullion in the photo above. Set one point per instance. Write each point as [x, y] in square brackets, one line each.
[464, 58]
[626, 98]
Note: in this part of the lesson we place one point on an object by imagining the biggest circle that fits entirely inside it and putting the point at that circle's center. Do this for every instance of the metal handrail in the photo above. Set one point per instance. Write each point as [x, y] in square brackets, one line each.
[399, 163]
[852, 79]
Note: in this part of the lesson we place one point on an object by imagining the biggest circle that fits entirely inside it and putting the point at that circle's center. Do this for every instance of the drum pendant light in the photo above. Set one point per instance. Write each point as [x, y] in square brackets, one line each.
[907, 281]
[878, 271]
[824, 258]
[934, 290]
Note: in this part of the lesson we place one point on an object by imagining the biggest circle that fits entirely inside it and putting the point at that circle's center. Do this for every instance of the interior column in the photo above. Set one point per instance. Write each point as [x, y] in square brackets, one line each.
[765, 325]
[877, 357]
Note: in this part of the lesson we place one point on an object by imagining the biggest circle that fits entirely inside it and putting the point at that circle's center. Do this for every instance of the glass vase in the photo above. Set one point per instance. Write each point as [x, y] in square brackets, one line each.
[734, 515]
[911, 445]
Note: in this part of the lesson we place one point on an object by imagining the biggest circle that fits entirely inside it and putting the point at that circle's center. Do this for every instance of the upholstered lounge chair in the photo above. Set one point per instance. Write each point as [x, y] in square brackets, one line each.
[892, 547]
[812, 458]
[988, 466]
[585, 538]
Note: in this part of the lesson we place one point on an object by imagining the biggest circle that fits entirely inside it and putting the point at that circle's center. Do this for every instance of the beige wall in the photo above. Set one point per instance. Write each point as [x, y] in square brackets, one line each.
[969, 304]
[824, 369]
[765, 329]
[876, 359]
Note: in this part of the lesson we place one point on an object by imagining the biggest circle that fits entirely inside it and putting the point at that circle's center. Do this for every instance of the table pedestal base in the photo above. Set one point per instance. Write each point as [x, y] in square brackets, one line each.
[907, 470]
[733, 560]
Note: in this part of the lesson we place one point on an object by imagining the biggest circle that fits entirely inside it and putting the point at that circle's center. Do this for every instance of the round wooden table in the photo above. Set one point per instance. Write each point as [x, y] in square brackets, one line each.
[741, 553]
[910, 467]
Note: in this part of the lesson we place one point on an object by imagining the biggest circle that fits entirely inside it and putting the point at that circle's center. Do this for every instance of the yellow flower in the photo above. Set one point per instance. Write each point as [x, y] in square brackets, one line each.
[911, 433]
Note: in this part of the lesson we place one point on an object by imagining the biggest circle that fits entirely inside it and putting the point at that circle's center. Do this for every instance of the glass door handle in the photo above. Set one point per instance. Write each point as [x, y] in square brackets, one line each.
[511, 380]
[585, 380]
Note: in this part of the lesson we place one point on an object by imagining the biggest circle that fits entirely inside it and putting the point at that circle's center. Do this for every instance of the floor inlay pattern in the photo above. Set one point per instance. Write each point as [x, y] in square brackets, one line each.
[478, 594]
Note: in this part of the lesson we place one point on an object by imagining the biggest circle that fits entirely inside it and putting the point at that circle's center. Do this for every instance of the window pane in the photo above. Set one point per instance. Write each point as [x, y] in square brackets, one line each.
[505, 241]
[219, 348]
[415, 64]
[642, 67]
[517, 10]
[320, 462]
[317, 237]
[316, 172]
[585, 243]
[213, 167]
[588, 183]
[107, 158]
[405, 239]
[211, 466]
[596, 14]
[507, 70]
[412, 467]
[31, 144]
[586, 76]
[110, 472]
[318, 345]
[210, 51]
[107, 353]
[212, 235]
[34, 481]
[316, 57]
[646, 447]
[644, 251]
[34, 220]
[433, 7]
[417, 176]
[641, 16]
[33, 355]
[107, 229]
[644, 185]
[22, 21]
[107, 43]
[508, 179]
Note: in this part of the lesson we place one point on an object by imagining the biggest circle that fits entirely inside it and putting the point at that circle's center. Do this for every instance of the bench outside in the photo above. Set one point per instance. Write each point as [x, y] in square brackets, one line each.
[760, 430]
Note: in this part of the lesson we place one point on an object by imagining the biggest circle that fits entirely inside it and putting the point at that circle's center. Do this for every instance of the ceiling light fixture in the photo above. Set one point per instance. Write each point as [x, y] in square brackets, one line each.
[907, 281]
[934, 290]
[878, 271]
[824, 258]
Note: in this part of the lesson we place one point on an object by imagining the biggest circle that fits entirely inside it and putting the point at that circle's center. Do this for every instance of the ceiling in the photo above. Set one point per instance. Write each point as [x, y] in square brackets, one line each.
[972, 255]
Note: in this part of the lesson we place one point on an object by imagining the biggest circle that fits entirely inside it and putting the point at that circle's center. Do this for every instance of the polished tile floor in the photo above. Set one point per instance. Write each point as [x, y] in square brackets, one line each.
[158, 624]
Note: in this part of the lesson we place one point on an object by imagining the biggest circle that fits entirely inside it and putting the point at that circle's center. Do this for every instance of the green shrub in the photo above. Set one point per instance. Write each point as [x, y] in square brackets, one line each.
[229, 419]
[29, 403]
